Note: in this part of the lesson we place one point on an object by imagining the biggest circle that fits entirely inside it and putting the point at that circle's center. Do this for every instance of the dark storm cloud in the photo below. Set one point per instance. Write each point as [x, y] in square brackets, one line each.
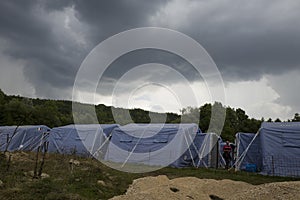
[31, 38]
[246, 40]
[52, 59]
[139, 57]
[136, 58]
[110, 17]
[242, 57]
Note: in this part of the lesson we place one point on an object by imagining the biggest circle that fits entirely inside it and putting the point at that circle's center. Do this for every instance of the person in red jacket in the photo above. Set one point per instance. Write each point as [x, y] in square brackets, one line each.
[227, 154]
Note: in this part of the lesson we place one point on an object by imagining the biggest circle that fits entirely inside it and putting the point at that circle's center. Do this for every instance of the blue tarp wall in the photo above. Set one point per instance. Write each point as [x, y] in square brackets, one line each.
[23, 138]
[280, 143]
[253, 154]
[81, 139]
[208, 146]
[184, 144]
[159, 145]
[202, 152]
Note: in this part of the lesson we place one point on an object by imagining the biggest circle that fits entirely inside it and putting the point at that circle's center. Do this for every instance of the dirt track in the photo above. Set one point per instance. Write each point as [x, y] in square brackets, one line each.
[160, 187]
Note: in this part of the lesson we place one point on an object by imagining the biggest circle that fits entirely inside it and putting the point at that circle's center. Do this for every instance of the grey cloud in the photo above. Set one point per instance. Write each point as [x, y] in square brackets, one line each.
[285, 86]
[110, 17]
[31, 38]
[128, 61]
[52, 59]
[133, 59]
[246, 40]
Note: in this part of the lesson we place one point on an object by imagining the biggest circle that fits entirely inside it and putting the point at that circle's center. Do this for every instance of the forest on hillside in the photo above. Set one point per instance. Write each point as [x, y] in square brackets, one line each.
[16, 110]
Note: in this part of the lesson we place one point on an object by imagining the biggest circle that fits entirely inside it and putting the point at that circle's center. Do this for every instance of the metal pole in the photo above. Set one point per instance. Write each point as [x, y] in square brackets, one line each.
[273, 167]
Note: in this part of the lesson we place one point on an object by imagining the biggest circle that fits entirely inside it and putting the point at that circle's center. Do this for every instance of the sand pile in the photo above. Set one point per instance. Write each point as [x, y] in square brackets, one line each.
[160, 187]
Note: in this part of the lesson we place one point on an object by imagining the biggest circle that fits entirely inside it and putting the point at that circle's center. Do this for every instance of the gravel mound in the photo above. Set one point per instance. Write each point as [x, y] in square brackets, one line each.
[280, 190]
[160, 187]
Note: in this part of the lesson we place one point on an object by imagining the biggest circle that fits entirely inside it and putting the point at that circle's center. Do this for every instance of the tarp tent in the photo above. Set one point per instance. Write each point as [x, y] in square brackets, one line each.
[176, 145]
[81, 139]
[208, 150]
[251, 155]
[279, 147]
[202, 152]
[25, 138]
[152, 144]
[280, 144]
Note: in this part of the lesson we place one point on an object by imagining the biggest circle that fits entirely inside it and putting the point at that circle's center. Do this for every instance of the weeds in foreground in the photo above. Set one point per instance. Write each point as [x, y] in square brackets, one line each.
[83, 181]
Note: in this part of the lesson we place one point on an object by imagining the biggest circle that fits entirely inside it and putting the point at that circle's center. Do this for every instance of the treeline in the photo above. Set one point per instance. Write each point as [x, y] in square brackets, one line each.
[16, 110]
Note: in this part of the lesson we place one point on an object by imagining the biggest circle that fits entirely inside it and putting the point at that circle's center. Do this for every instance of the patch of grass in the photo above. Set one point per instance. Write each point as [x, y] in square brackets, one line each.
[82, 181]
[220, 174]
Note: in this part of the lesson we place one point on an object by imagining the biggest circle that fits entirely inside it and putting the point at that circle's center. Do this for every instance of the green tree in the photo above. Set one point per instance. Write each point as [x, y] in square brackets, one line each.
[190, 115]
[217, 118]
[205, 114]
[230, 125]
[277, 120]
[47, 114]
[296, 118]
[2, 103]
[2, 97]
[17, 112]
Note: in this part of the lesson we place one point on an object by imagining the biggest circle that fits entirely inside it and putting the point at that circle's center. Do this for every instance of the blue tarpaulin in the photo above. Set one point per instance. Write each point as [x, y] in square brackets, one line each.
[280, 144]
[208, 146]
[23, 138]
[81, 139]
[176, 145]
[275, 149]
[253, 154]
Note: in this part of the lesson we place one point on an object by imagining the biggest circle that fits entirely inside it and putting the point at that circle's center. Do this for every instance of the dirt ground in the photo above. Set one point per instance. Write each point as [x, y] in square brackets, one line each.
[160, 187]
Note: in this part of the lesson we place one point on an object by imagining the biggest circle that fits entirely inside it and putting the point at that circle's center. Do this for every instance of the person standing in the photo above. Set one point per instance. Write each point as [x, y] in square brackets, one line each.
[227, 154]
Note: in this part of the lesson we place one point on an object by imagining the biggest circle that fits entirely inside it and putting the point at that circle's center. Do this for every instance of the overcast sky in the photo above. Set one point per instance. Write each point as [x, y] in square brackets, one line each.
[255, 45]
